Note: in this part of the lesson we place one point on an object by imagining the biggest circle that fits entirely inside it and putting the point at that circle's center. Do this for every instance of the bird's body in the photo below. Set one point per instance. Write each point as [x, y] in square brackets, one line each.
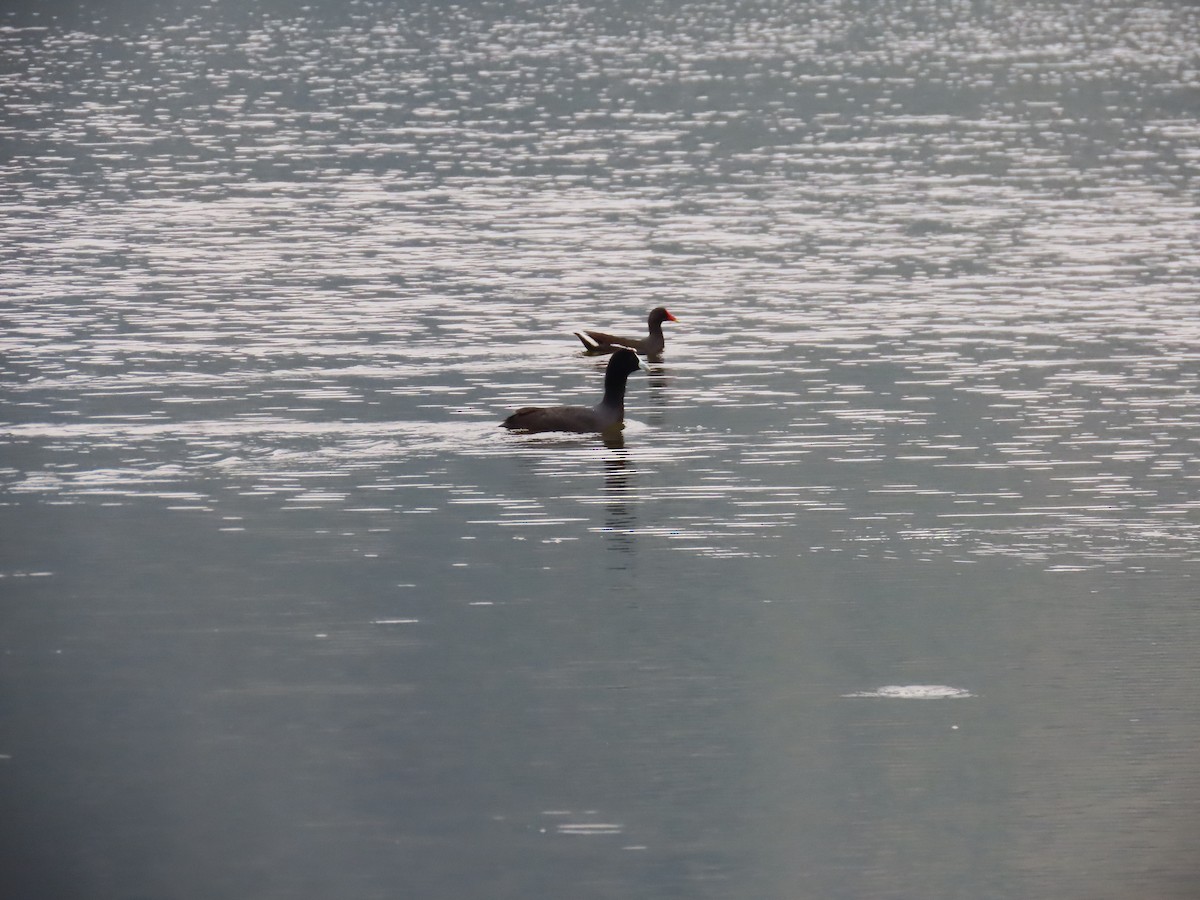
[598, 342]
[608, 414]
[579, 419]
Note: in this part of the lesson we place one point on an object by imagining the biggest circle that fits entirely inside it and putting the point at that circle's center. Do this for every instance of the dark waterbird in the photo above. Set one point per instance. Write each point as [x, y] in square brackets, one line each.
[606, 415]
[597, 342]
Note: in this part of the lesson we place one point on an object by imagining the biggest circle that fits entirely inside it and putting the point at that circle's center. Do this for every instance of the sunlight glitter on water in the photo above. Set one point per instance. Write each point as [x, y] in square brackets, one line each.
[870, 291]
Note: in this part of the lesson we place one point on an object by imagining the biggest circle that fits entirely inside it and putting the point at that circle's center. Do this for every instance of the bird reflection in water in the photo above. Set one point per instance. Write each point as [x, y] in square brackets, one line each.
[619, 518]
[657, 382]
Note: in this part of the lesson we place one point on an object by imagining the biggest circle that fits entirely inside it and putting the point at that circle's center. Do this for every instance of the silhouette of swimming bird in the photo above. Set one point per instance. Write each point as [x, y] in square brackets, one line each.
[597, 342]
[609, 413]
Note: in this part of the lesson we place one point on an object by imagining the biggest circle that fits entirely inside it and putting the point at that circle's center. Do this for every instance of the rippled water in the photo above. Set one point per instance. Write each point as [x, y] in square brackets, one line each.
[278, 592]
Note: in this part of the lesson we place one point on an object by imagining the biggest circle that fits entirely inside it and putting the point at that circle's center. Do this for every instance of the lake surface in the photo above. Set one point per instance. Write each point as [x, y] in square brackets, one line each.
[890, 589]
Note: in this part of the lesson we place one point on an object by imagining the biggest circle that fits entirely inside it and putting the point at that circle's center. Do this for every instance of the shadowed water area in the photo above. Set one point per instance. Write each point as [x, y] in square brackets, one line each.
[888, 591]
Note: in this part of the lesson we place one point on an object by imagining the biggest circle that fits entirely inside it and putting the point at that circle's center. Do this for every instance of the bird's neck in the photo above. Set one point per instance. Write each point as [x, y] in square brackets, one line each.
[614, 390]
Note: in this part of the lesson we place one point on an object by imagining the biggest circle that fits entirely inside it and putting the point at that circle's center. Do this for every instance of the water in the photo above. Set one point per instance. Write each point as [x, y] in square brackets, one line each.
[889, 590]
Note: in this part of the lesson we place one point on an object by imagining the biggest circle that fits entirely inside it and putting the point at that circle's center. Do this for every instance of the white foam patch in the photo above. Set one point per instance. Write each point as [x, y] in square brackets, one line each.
[914, 692]
[590, 828]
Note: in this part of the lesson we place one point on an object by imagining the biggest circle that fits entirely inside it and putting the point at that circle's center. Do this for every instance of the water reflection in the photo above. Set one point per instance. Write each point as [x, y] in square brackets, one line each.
[658, 387]
[620, 493]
